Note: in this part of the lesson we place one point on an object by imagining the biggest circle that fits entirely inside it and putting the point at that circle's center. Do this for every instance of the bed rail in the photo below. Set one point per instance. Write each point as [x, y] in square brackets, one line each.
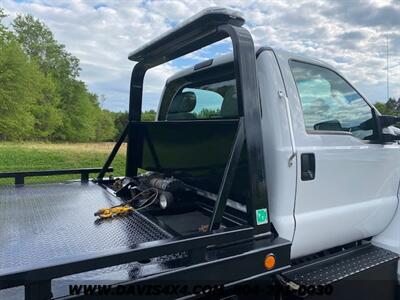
[20, 175]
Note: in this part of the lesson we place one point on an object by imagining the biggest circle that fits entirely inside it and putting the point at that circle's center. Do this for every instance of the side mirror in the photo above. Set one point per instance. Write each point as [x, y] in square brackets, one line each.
[384, 122]
[387, 121]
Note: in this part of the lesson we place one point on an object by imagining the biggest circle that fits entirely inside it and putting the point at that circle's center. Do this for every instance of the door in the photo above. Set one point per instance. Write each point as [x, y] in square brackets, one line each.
[347, 182]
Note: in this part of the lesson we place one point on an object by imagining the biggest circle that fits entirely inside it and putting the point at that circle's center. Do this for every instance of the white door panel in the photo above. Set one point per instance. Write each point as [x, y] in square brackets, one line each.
[354, 191]
[341, 225]
[347, 175]
[353, 196]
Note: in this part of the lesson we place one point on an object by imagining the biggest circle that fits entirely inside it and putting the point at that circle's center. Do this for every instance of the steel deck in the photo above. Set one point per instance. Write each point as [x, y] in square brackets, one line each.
[43, 223]
[48, 223]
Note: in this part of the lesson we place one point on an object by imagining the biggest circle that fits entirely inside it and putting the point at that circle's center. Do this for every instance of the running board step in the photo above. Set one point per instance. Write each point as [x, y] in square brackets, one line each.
[331, 269]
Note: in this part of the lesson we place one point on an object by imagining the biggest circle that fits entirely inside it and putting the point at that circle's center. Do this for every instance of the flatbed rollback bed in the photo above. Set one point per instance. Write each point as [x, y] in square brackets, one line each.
[50, 238]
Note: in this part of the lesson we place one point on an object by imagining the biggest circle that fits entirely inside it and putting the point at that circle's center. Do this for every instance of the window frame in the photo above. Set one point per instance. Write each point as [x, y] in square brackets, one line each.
[374, 112]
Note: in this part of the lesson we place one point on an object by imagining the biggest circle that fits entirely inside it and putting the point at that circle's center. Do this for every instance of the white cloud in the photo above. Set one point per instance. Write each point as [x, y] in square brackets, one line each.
[348, 34]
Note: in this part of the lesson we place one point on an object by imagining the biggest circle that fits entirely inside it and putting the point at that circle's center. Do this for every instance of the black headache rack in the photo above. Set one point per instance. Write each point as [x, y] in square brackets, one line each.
[209, 26]
[220, 255]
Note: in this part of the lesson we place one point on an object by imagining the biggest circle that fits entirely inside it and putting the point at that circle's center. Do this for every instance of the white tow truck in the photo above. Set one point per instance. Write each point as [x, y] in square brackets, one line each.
[331, 180]
[268, 174]
[332, 161]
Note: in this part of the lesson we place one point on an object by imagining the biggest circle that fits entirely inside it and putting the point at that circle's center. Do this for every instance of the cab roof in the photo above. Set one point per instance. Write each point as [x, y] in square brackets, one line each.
[228, 58]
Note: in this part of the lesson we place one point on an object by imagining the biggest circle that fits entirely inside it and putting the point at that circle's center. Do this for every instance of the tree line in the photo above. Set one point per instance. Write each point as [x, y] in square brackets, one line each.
[41, 95]
[391, 107]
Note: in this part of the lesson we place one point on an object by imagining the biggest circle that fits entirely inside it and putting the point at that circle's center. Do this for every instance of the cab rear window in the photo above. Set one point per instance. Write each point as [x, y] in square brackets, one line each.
[214, 100]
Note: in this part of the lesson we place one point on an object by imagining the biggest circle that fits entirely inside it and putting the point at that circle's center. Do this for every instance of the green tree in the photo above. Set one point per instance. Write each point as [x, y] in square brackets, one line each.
[207, 113]
[68, 111]
[105, 130]
[20, 88]
[79, 113]
[390, 107]
[149, 115]
[120, 122]
[381, 107]
[39, 43]
[46, 111]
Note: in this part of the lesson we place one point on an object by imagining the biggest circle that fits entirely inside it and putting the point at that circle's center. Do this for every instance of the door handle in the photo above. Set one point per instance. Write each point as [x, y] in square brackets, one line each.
[307, 166]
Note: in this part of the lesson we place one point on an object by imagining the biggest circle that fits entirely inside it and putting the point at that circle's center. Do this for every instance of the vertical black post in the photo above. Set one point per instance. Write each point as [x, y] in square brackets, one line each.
[379, 131]
[38, 290]
[85, 177]
[135, 146]
[249, 108]
[19, 179]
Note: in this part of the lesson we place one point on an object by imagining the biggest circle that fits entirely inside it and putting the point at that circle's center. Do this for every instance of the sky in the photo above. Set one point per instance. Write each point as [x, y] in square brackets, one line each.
[349, 34]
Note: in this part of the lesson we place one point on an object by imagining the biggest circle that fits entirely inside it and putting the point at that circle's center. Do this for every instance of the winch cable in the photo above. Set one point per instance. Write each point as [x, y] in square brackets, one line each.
[127, 207]
[130, 201]
[147, 203]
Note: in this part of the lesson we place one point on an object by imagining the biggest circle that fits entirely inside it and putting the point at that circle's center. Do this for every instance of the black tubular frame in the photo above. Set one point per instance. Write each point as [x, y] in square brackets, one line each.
[185, 40]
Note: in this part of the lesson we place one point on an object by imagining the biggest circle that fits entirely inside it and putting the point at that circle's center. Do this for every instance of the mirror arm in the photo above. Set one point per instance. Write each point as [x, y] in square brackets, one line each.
[388, 138]
[379, 129]
[387, 121]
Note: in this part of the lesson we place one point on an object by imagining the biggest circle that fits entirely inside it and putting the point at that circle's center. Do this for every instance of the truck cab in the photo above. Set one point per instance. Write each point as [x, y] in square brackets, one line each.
[331, 181]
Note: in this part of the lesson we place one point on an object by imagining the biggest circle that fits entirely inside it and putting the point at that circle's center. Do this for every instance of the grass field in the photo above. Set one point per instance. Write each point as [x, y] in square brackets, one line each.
[44, 156]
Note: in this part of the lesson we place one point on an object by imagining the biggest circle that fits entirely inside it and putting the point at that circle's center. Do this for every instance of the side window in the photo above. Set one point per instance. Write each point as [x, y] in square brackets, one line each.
[208, 101]
[330, 103]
